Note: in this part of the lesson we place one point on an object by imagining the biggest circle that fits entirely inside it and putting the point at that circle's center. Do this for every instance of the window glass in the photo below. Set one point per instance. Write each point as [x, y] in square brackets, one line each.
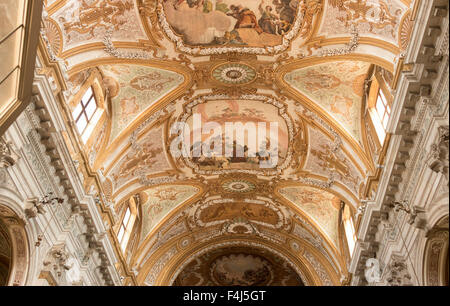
[381, 117]
[12, 13]
[87, 96]
[91, 108]
[121, 233]
[77, 111]
[349, 229]
[85, 110]
[380, 107]
[127, 217]
[81, 124]
[350, 234]
[385, 121]
[8, 90]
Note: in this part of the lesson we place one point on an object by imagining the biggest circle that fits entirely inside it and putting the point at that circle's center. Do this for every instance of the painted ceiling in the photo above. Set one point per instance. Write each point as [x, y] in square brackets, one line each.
[302, 64]
[321, 206]
[161, 201]
[133, 89]
[238, 267]
[337, 87]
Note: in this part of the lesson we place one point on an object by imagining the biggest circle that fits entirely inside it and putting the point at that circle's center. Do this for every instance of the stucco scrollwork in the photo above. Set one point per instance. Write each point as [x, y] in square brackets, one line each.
[8, 157]
[440, 153]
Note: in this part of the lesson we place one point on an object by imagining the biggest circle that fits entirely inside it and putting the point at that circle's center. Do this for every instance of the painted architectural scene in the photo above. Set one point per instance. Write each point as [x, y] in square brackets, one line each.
[240, 114]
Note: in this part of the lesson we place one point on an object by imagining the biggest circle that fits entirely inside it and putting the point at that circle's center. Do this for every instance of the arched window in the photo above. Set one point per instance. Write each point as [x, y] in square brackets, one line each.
[380, 109]
[349, 228]
[127, 223]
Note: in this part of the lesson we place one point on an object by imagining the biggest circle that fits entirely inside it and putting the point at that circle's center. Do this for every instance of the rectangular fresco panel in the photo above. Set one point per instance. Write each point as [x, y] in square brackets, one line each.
[243, 112]
[256, 23]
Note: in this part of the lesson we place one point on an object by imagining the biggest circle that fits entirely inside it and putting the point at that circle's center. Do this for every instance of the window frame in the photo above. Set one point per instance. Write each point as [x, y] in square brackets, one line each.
[386, 108]
[351, 243]
[126, 227]
[84, 106]
[379, 121]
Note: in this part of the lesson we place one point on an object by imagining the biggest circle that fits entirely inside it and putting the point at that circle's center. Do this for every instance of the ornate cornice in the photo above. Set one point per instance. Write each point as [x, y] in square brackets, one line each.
[414, 86]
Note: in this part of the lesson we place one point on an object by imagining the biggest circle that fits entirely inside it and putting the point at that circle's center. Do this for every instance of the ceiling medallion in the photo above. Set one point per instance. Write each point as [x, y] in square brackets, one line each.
[233, 74]
[240, 186]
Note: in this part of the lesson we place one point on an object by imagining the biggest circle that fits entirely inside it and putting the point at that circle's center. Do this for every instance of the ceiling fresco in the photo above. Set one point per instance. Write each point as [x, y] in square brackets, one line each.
[260, 24]
[337, 87]
[375, 18]
[135, 88]
[87, 21]
[148, 159]
[323, 159]
[238, 267]
[214, 220]
[322, 207]
[161, 201]
[251, 111]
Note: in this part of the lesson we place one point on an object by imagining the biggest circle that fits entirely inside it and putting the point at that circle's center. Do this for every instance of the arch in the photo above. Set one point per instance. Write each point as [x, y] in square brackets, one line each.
[5, 254]
[176, 261]
[161, 102]
[185, 260]
[14, 228]
[427, 259]
[435, 258]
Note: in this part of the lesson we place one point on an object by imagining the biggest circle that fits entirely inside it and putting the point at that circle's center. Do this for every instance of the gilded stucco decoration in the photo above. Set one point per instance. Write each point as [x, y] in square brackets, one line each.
[213, 218]
[237, 266]
[234, 74]
[376, 18]
[325, 160]
[337, 88]
[87, 21]
[302, 64]
[139, 88]
[150, 158]
[161, 201]
[323, 207]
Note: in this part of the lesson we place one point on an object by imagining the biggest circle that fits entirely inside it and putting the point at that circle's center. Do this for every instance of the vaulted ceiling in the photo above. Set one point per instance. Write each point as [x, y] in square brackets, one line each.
[303, 65]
